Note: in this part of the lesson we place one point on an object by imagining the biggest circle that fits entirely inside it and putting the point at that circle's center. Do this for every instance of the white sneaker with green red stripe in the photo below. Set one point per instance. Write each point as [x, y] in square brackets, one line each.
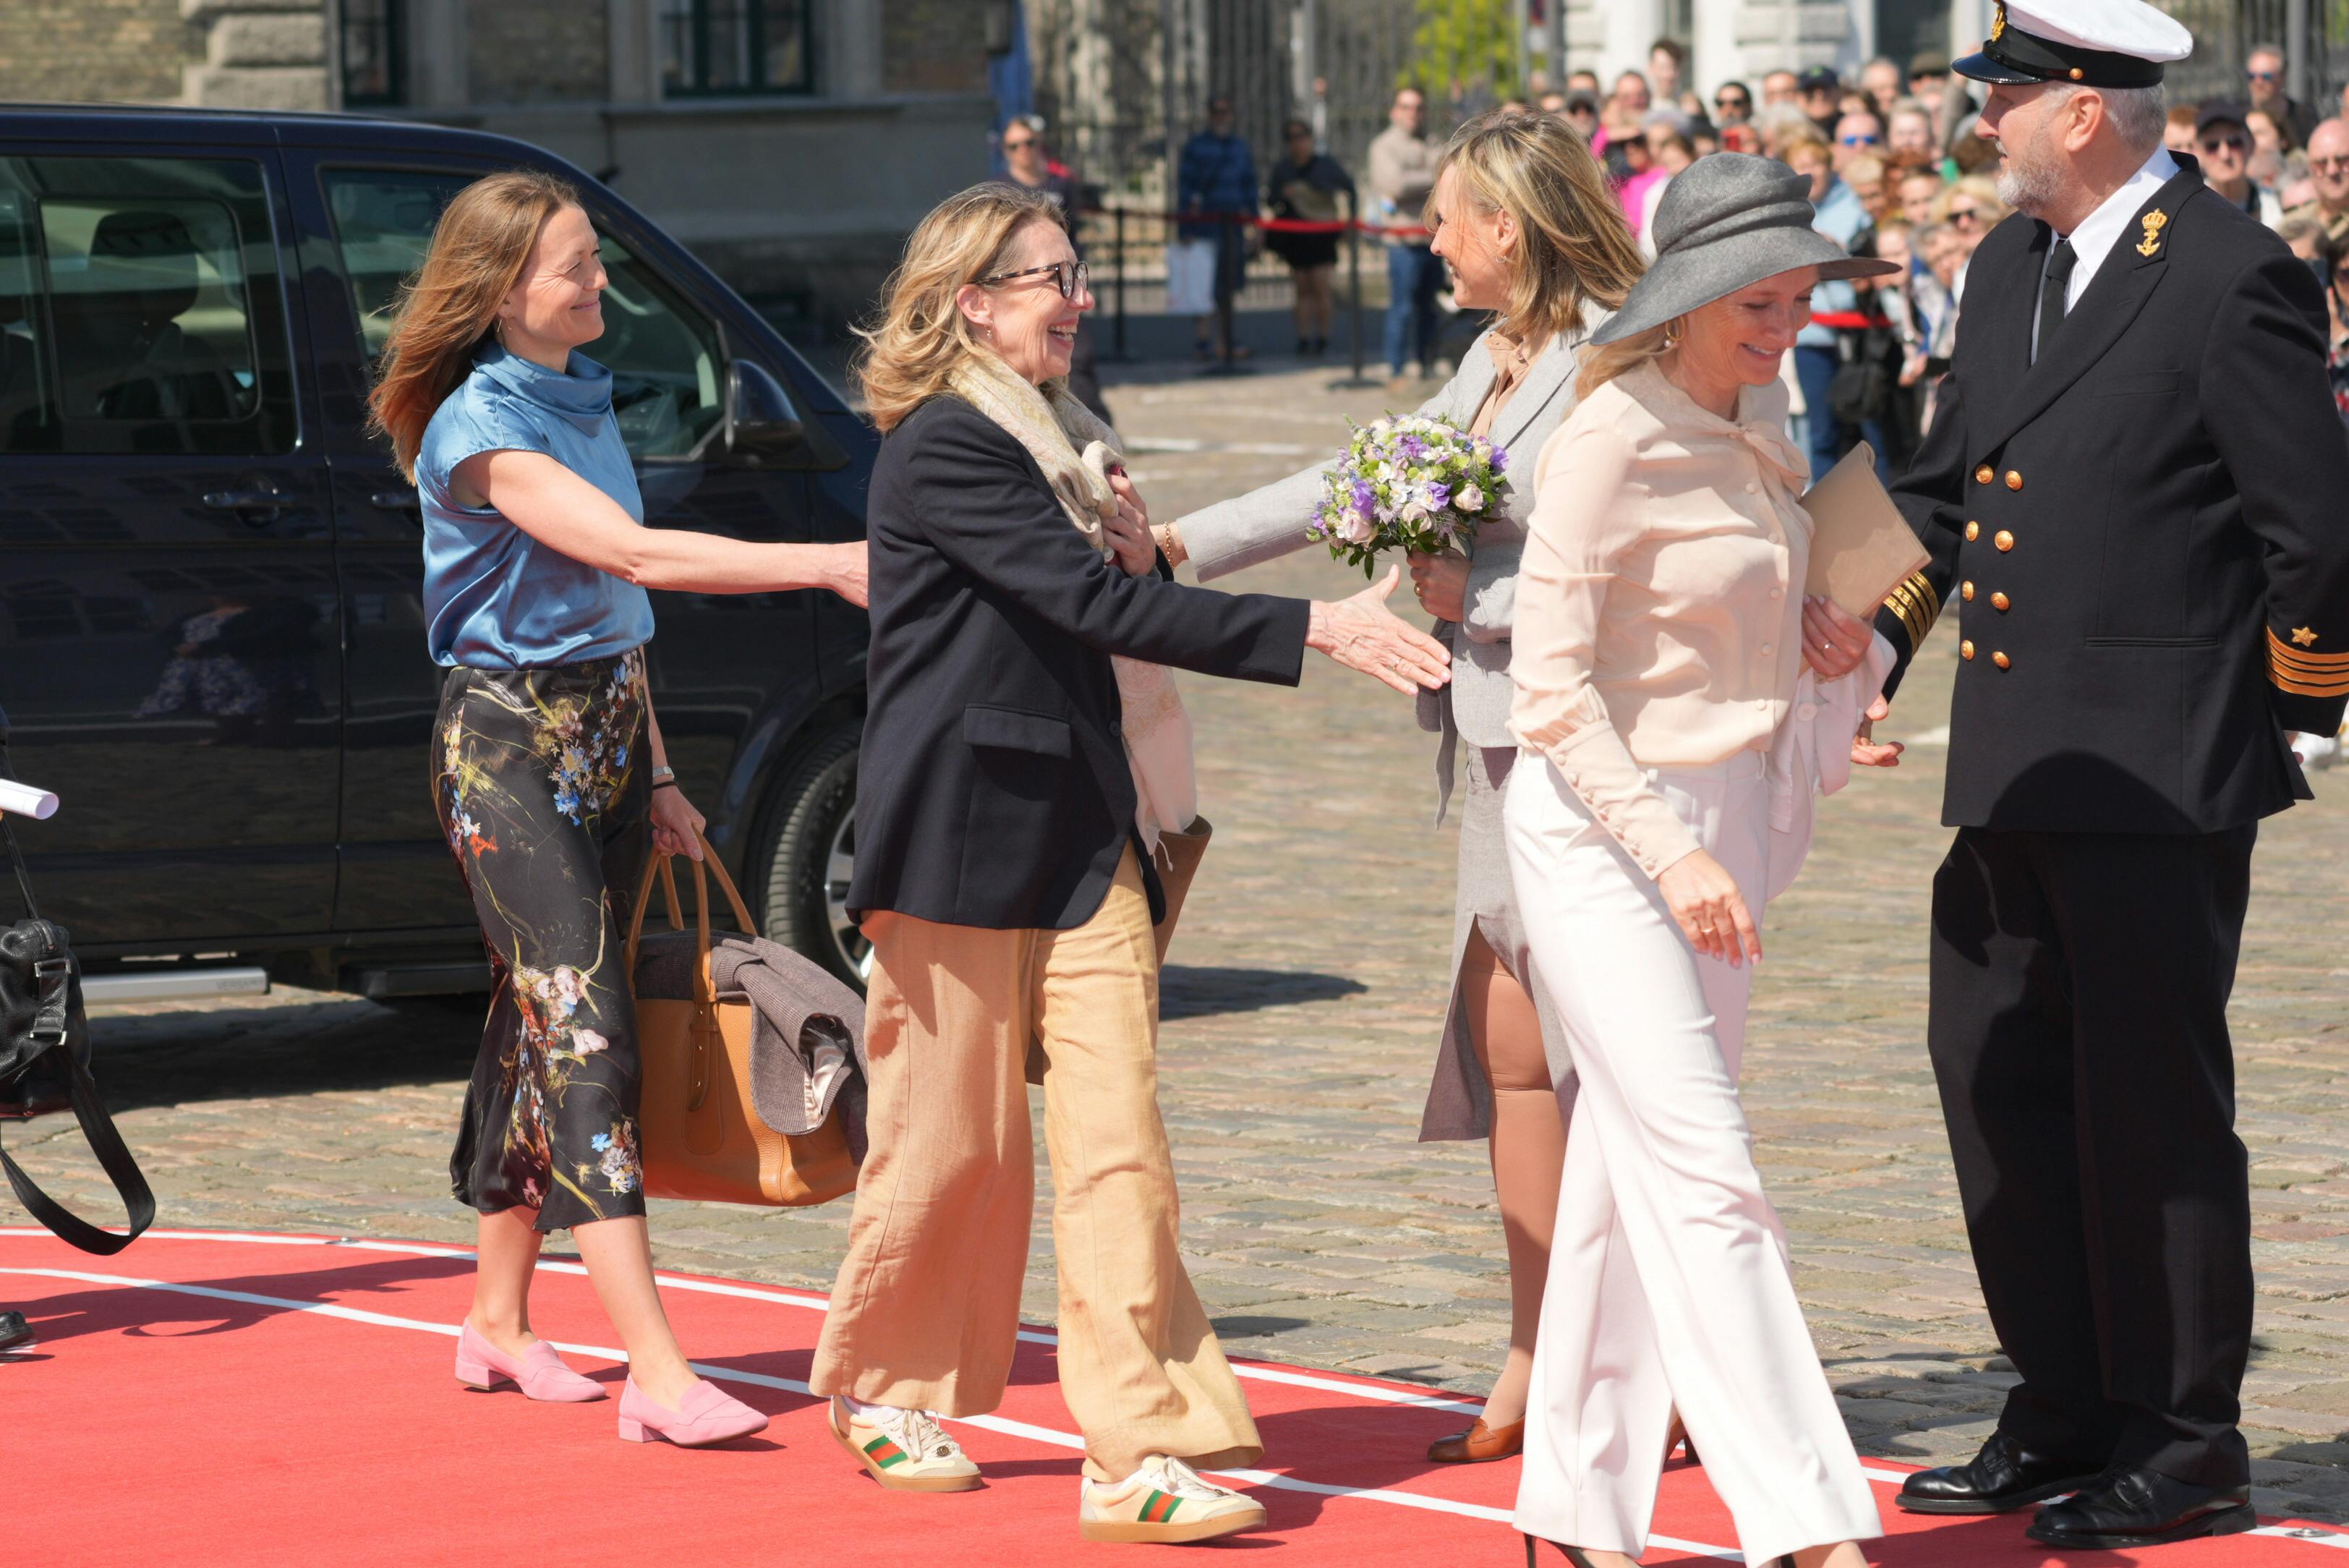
[905, 1450]
[1163, 1503]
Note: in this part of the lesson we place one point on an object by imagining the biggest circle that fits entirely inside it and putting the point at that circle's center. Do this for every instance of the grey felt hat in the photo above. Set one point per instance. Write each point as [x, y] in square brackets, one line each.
[1727, 222]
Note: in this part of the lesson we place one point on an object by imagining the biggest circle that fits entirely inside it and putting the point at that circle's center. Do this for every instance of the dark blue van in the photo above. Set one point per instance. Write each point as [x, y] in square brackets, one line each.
[212, 642]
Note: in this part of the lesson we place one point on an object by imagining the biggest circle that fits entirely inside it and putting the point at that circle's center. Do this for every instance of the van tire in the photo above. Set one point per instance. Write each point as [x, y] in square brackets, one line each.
[809, 824]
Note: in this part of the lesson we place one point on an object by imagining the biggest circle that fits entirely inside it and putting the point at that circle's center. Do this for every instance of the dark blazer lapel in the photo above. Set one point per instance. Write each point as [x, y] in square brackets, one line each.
[2121, 287]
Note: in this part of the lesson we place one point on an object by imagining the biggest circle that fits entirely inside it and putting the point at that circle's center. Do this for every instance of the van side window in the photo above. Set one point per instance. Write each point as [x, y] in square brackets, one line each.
[141, 309]
[668, 370]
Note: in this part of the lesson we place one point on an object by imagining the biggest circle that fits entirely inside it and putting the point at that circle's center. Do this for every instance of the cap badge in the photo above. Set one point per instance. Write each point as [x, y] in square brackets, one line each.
[1997, 20]
[2153, 222]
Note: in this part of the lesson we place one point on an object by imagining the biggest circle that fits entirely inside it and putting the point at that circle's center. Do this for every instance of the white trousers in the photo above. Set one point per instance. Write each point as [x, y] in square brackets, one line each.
[1667, 1275]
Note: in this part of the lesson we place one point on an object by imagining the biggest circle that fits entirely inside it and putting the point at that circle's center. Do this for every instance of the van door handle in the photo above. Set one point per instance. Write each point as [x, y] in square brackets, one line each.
[398, 500]
[247, 501]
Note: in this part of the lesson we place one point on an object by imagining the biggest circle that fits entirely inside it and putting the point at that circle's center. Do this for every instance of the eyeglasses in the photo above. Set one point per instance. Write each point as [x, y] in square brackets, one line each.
[2213, 143]
[1071, 276]
[2265, 76]
[1857, 141]
[2327, 165]
[1965, 214]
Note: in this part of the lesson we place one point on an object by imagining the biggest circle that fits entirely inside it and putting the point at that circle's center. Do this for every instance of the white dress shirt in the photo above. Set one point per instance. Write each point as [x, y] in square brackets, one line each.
[2100, 231]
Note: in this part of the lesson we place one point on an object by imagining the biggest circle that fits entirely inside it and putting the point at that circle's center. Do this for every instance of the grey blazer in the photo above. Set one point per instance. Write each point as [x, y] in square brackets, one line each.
[1270, 522]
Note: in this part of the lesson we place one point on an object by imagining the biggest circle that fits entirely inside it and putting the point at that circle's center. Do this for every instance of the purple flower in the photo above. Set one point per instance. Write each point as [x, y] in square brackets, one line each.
[1439, 496]
[1414, 448]
[1500, 460]
[1366, 500]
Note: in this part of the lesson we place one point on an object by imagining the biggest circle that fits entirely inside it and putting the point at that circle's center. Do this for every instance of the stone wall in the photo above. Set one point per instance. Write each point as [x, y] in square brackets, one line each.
[537, 51]
[933, 45]
[121, 51]
[258, 54]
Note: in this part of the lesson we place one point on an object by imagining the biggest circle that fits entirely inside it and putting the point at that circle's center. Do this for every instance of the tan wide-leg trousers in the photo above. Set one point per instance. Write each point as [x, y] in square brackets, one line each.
[926, 1306]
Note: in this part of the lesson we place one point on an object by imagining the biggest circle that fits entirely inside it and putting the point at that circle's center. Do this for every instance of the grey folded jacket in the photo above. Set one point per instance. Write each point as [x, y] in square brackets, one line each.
[807, 1032]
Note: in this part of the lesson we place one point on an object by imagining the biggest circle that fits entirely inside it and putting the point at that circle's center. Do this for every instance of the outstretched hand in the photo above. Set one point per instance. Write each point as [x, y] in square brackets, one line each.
[1361, 633]
[1867, 751]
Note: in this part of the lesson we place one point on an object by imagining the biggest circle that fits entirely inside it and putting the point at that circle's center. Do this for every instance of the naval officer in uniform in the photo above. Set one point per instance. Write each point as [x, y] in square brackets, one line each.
[2133, 499]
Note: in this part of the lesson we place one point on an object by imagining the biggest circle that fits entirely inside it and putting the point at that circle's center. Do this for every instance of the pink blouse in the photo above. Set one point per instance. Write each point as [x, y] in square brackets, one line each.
[1659, 601]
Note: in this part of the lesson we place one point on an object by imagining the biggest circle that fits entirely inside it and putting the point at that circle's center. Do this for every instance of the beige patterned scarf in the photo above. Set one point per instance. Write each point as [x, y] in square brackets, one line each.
[1075, 450]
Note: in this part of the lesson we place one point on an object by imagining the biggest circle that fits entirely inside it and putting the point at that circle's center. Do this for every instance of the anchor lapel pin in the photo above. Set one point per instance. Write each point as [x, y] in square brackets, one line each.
[2154, 222]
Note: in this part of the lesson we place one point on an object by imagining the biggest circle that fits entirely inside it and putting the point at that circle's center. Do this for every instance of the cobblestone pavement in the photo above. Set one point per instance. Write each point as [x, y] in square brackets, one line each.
[1300, 1014]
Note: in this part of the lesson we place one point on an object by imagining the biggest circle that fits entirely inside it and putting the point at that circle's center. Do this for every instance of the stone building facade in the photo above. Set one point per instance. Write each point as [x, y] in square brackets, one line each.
[794, 152]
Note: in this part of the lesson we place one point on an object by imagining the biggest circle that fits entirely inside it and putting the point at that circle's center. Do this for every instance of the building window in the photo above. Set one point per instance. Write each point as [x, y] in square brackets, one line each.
[736, 47]
[375, 65]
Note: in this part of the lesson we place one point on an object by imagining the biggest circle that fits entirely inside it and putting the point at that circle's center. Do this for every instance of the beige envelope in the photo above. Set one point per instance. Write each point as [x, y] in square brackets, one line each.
[1861, 547]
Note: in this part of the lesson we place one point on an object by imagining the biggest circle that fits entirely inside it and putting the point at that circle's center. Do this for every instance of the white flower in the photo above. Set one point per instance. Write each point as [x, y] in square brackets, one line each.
[587, 1041]
[1468, 498]
[1356, 529]
[1416, 510]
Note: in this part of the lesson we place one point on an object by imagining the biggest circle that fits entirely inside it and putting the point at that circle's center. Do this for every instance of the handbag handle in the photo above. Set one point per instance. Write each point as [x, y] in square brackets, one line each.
[121, 1169]
[702, 868]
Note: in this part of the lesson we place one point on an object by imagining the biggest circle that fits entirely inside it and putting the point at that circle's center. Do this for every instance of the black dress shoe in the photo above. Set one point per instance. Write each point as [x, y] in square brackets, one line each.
[16, 1333]
[2002, 1477]
[2129, 1507]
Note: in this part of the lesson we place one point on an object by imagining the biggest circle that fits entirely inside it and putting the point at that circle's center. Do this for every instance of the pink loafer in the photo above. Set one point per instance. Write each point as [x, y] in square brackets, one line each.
[708, 1415]
[539, 1373]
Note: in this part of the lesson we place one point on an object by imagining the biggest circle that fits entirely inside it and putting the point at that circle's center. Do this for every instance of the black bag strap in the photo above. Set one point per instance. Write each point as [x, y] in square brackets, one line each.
[106, 1143]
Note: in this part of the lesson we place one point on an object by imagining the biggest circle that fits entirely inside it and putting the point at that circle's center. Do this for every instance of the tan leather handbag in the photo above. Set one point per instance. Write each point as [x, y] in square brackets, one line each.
[699, 1135]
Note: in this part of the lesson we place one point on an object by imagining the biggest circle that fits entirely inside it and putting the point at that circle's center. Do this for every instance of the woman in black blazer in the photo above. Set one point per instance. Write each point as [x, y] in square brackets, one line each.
[1022, 752]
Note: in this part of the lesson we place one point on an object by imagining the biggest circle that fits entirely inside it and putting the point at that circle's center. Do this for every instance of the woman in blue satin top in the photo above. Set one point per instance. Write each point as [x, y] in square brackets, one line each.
[548, 769]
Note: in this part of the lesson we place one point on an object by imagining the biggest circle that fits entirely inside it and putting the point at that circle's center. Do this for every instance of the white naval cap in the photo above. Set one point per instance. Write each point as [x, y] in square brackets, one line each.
[2097, 43]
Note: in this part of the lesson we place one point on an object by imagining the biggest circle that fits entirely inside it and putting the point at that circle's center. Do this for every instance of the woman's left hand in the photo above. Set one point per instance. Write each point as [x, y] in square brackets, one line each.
[1834, 640]
[1128, 532]
[1440, 585]
[676, 827]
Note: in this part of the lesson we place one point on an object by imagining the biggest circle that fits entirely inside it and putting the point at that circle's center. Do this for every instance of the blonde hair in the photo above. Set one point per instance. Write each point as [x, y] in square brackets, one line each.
[919, 335]
[1573, 242]
[1610, 360]
[450, 306]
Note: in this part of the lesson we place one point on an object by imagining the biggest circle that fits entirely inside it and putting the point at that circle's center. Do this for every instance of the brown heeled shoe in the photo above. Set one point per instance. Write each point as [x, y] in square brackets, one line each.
[1479, 1444]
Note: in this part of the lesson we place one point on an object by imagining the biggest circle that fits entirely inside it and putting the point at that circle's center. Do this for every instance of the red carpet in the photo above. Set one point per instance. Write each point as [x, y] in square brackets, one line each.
[262, 1400]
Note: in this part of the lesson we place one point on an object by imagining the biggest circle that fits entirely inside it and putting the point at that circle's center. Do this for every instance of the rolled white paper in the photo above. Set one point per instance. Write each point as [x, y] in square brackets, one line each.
[23, 800]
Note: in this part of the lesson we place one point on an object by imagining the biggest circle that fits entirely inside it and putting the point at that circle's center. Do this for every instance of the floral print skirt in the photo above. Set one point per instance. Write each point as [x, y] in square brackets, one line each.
[543, 786]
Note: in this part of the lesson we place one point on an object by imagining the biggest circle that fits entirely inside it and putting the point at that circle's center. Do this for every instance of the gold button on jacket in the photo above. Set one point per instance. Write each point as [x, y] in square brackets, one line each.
[2004, 540]
[2013, 479]
[1973, 532]
[2000, 601]
[1966, 592]
[2000, 660]
[1982, 474]
[1966, 648]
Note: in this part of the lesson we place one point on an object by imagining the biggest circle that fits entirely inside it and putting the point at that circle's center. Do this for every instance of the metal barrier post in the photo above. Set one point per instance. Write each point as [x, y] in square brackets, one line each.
[1354, 283]
[1354, 274]
[1117, 284]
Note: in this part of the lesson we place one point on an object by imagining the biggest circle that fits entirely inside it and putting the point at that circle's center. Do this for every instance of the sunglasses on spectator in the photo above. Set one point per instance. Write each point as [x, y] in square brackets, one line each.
[1071, 276]
[1965, 214]
[1857, 141]
[2239, 142]
[2327, 165]
[2264, 76]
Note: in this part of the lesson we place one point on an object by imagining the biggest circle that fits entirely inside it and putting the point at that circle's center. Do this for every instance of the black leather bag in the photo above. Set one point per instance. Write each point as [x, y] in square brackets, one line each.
[44, 1048]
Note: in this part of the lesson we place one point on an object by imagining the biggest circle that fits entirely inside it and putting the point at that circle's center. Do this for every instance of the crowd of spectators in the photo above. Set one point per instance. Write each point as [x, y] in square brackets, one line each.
[1897, 171]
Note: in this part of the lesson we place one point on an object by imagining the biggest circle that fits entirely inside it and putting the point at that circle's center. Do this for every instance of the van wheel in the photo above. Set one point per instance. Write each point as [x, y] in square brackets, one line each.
[811, 853]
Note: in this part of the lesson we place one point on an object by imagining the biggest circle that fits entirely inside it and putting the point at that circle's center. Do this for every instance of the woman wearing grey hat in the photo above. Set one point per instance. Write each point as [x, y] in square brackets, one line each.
[1529, 231]
[1660, 631]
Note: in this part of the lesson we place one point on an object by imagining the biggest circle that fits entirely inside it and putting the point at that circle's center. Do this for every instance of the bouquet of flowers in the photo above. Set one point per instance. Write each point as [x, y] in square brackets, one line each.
[1410, 482]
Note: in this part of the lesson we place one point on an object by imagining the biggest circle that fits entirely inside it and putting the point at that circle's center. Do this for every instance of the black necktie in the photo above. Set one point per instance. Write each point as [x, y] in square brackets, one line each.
[2052, 293]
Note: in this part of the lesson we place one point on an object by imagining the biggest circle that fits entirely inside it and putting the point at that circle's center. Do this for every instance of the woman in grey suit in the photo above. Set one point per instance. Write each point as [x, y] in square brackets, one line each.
[1524, 219]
